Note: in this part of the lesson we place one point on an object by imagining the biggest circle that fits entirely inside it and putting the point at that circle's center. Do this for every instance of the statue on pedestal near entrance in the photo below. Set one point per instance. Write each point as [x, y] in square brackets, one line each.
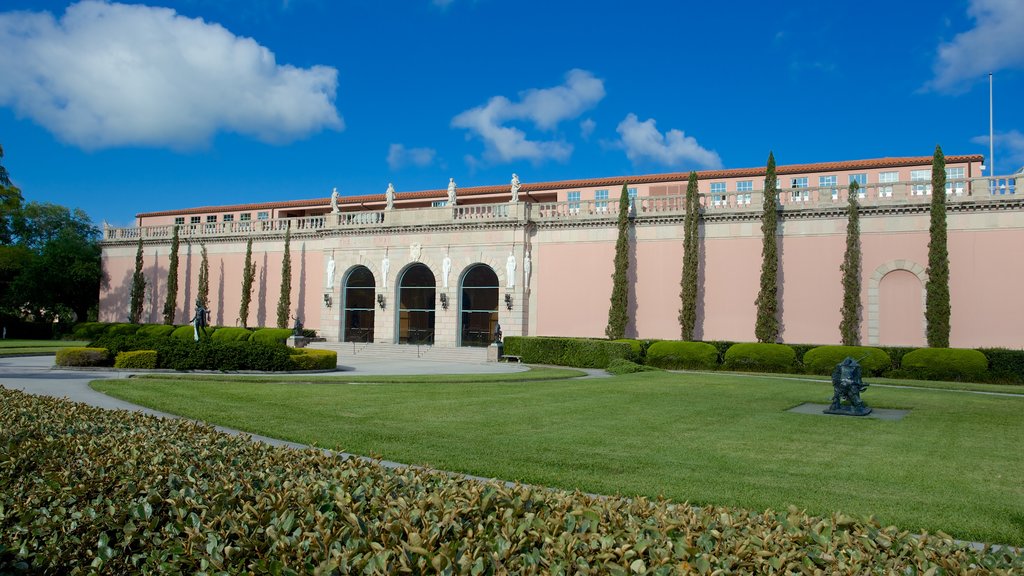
[446, 268]
[385, 265]
[847, 385]
[200, 320]
[510, 270]
[330, 273]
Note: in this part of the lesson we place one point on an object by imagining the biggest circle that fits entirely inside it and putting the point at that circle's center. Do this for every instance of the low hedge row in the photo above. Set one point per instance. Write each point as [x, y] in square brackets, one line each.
[137, 359]
[93, 330]
[758, 357]
[79, 356]
[207, 354]
[86, 490]
[313, 359]
[675, 355]
[576, 352]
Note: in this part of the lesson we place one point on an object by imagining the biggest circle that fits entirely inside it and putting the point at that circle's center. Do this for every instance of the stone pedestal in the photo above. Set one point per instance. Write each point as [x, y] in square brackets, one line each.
[495, 352]
[297, 341]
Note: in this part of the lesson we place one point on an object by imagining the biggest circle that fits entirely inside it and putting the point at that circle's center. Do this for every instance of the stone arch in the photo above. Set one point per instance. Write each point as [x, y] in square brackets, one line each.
[478, 307]
[358, 316]
[415, 313]
[874, 297]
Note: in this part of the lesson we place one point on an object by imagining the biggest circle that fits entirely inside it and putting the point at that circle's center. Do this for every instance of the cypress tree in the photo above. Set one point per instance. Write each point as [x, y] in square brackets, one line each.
[203, 293]
[849, 327]
[248, 274]
[284, 304]
[691, 245]
[171, 303]
[767, 327]
[138, 292]
[618, 311]
[937, 309]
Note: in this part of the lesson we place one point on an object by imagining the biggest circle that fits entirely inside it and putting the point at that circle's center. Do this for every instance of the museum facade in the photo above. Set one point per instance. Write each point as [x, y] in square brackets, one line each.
[444, 267]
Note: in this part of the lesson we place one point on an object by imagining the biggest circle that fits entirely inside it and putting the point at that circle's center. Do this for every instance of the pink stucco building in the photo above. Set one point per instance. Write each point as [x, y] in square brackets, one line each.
[541, 264]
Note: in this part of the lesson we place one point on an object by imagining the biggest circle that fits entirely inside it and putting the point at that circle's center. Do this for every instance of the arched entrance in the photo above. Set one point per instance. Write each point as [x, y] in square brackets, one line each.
[357, 293]
[478, 307]
[416, 298]
[901, 310]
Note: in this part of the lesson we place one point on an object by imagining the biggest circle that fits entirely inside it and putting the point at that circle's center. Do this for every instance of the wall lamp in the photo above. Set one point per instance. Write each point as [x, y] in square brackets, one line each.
[327, 300]
[508, 300]
[380, 301]
[444, 300]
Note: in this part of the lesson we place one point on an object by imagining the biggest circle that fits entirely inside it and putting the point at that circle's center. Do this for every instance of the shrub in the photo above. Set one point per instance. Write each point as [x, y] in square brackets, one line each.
[823, 359]
[232, 334]
[620, 366]
[722, 346]
[576, 352]
[945, 364]
[139, 359]
[207, 354]
[760, 357]
[635, 346]
[88, 330]
[185, 332]
[314, 359]
[1006, 366]
[79, 356]
[271, 335]
[155, 330]
[686, 355]
[801, 349]
[896, 353]
[121, 329]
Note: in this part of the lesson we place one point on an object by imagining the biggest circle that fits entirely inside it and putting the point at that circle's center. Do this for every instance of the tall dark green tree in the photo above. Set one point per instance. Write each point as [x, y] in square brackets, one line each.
[248, 275]
[618, 310]
[203, 292]
[691, 247]
[10, 201]
[284, 303]
[849, 326]
[138, 292]
[767, 327]
[171, 303]
[936, 308]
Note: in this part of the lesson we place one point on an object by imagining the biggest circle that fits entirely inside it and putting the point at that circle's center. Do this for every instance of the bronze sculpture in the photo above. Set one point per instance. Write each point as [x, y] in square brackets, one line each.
[847, 385]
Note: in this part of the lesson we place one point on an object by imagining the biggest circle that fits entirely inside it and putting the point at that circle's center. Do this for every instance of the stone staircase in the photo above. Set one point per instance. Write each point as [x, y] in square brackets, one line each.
[382, 351]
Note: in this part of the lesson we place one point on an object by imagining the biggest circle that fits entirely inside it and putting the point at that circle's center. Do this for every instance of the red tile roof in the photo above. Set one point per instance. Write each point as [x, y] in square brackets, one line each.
[583, 183]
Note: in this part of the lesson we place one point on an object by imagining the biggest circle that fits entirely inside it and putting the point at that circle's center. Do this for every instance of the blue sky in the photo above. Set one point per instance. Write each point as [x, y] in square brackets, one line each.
[124, 108]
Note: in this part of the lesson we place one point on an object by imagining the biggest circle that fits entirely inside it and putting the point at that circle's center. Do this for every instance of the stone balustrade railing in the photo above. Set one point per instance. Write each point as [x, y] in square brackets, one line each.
[790, 199]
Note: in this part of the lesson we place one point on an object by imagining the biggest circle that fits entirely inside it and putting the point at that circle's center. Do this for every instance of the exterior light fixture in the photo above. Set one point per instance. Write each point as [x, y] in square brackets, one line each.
[444, 300]
[380, 301]
[327, 300]
[508, 301]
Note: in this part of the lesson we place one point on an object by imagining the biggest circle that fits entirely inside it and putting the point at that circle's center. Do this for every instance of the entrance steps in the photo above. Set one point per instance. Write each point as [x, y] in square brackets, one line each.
[382, 351]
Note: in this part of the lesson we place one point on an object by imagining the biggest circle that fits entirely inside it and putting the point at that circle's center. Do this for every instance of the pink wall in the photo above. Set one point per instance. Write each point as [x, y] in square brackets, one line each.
[900, 309]
[573, 288]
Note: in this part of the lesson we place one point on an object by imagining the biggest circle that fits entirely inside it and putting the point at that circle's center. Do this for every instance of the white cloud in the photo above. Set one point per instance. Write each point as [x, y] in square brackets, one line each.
[399, 156]
[108, 75]
[642, 141]
[587, 128]
[995, 42]
[545, 108]
[1011, 150]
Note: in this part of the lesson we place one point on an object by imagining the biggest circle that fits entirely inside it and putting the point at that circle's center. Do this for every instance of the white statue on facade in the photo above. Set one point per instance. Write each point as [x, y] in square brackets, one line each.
[334, 201]
[446, 268]
[415, 250]
[451, 191]
[515, 189]
[510, 270]
[330, 273]
[385, 265]
[389, 197]
[527, 268]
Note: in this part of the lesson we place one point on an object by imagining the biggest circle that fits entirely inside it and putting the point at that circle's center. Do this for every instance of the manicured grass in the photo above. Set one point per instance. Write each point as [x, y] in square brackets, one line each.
[533, 374]
[10, 347]
[933, 384]
[953, 464]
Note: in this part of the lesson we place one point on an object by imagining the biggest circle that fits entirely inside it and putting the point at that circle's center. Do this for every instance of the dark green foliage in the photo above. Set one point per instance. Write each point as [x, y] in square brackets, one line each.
[722, 346]
[760, 357]
[618, 309]
[284, 303]
[636, 346]
[620, 366]
[248, 275]
[10, 201]
[136, 359]
[767, 326]
[232, 334]
[896, 353]
[849, 326]
[952, 364]
[682, 355]
[801, 349]
[575, 352]
[936, 307]
[187, 332]
[691, 251]
[203, 291]
[88, 330]
[1004, 366]
[155, 330]
[122, 329]
[171, 303]
[313, 359]
[271, 335]
[138, 290]
[82, 356]
[207, 354]
[823, 359]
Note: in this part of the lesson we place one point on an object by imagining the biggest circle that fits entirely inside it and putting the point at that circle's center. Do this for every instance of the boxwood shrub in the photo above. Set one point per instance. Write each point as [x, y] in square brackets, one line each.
[823, 359]
[622, 366]
[674, 355]
[756, 357]
[575, 352]
[122, 329]
[636, 346]
[314, 359]
[722, 346]
[154, 330]
[1004, 366]
[945, 364]
[231, 334]
[271, 335]
[207, 354]
[79, 356]
[88, 330]
[139, 359]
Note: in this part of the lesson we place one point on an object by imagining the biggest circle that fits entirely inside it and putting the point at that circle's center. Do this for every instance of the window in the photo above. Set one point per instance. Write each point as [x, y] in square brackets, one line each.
[828, 182]
[438, 203]
[574, 201]
[263, 215]
[631, 192]
[211, 219]
[862, 182]
[887, 177]
[179, 220]
[744, 185]
[800, 195]
[193, 220]
[955, 187]
[229, 218]
[718, 193]
[245, 216]
[601, 198]
[921, 176]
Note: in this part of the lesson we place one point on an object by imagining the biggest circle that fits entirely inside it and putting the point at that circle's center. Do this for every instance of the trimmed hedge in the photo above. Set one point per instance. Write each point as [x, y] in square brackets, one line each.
[122, 329]
[682, 355]
[314, 359]
[756, 357]
[636, 346]
[575, 352]
[1004, 366]
[155, 330]
[722, 346]
[82, 356]
[945, 364]
[232, 334]
[88, 330]
[823, 359]
[138, 359]
[207, 354]
[271, 335]
[187, 332]
[622, 366]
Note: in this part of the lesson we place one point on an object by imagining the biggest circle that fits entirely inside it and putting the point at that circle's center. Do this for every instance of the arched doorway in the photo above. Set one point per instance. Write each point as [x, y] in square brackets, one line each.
[357, 293]
[416, 296]
[478, 306]
[901, 309]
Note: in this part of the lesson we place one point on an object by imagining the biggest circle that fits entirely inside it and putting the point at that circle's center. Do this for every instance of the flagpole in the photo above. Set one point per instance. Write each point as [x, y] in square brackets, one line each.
[991, 134]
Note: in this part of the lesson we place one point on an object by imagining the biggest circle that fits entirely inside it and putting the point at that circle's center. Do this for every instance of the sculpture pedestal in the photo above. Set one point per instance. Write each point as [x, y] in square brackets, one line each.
[495, 352]
[297, 341]
[848, 410]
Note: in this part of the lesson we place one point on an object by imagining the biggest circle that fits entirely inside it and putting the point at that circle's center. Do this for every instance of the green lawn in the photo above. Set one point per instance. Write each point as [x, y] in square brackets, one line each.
[10, 347]
[936, 384]
[532, 374]
[954, 464]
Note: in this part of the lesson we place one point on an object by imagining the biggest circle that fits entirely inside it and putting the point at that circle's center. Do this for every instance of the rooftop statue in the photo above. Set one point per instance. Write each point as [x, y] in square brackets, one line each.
[515, 188]
[389, 196]
[847, 385]
[334, 201]
[451, 191]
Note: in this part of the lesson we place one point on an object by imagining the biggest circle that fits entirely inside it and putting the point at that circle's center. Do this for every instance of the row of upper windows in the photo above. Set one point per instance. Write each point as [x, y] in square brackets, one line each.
[212, 219]
[832, 180]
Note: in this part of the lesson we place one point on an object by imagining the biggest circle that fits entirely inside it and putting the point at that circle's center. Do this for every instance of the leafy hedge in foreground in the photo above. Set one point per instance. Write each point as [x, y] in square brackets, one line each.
[207, 354]
[575, 352]
[79, 356]
[675, 355]
[760, 357]
[945, 364]
[87, 490]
